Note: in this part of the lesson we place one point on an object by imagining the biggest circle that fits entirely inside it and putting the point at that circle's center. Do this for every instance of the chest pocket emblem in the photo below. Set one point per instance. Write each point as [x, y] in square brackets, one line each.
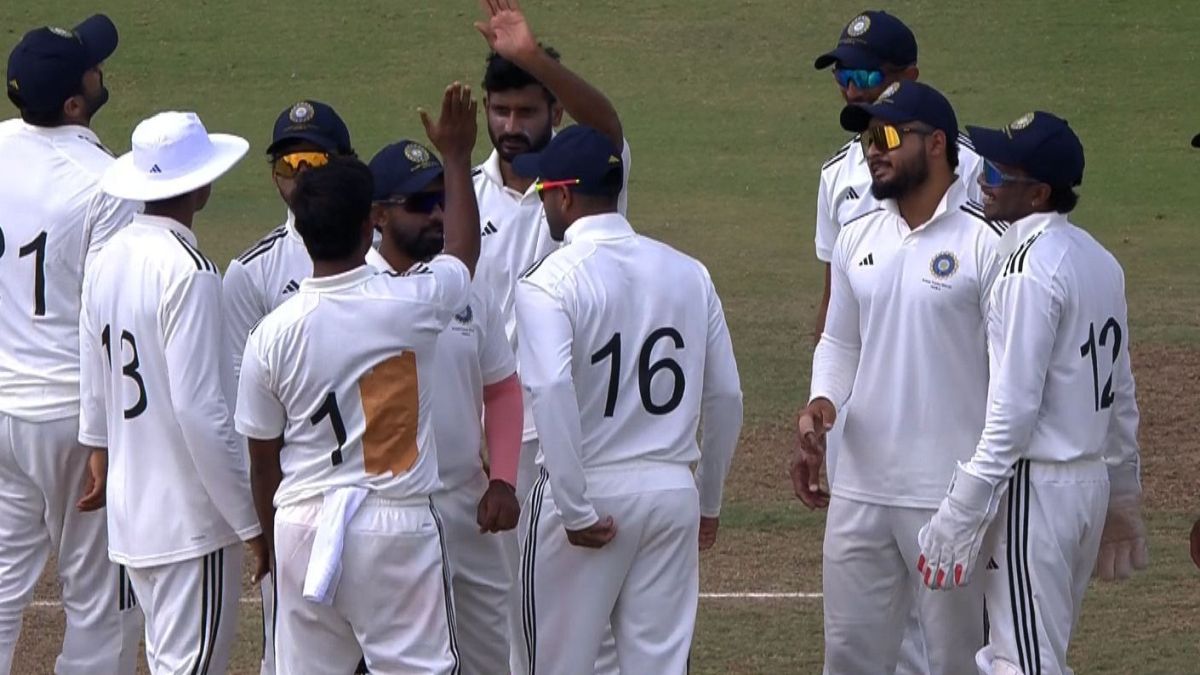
[465, 316]
[943, 265]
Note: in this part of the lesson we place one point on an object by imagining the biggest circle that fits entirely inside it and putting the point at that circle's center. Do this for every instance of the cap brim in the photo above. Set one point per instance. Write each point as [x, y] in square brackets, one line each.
[125, 181]
[528, 165]
[325, 143]
[99, 36]
[1196, 141]
[994, 145]
[848, 56]
[857, 118]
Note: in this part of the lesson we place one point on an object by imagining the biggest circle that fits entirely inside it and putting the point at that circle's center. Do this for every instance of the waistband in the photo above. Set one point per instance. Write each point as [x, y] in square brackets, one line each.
[1081, 470]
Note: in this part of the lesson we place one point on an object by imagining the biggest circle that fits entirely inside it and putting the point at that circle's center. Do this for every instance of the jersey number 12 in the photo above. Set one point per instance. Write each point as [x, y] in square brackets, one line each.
[1111, 330]
[646, 371]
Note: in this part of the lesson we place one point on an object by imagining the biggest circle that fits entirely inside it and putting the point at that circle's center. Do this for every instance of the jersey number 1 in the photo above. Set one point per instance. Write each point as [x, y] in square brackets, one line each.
[1103, 399]
[329, 408]
[646, 371]
[37, 248]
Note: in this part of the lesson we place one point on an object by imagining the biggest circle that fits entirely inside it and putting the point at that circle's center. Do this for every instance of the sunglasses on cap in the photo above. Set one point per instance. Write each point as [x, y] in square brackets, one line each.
[291, 164]
[887, 137]
[422, 202]
[993, 177]
[543, 185]
[863, 79]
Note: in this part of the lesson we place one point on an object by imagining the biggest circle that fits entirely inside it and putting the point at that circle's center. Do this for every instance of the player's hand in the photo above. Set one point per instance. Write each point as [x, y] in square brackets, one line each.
[1196, 542]
[951, 541]
[498, 509]
[94, 485]
[453, 134]
[506, 30]
[262, 556]
[708, 532]
[811, 426]
[595, 536]
[1123, 540]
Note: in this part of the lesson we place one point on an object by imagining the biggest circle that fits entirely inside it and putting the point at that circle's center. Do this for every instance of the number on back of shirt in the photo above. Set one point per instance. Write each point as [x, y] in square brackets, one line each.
[36, 248]
[1109, 337]
[329, 408]
[646, 372]
[129, 370]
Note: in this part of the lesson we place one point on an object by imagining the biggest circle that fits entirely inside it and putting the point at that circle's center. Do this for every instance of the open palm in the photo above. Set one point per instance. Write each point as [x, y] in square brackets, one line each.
[505, 29]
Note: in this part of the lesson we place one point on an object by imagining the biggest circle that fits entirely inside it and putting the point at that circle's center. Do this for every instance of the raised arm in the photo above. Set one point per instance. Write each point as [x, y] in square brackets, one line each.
[453, 134]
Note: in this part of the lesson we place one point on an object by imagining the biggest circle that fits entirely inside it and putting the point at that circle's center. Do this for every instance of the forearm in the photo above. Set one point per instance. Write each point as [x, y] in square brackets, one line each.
[721, 424]
[822, 309]
[265, 477]
[461, 221]
[561, 436]
[219, 459]
[503, 424]
[583, 102]
[835, 365]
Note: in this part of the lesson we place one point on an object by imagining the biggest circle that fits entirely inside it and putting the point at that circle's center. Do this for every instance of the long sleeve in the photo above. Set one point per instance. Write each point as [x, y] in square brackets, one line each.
[93, 423]
[835, 360]
[545, 340]
[1029, 312]
[720, 410]
[503, 425]
[1121, 451]
[243, 307]
[191, 323]
[106, 215]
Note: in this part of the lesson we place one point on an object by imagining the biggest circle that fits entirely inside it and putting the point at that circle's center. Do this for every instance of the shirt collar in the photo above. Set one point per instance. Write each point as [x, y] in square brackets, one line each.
[64, 131]
[290, 226]
[338, 282]
[951, 203]
[1021, 230]
[375, 259]
[595, 228]
[169, 224]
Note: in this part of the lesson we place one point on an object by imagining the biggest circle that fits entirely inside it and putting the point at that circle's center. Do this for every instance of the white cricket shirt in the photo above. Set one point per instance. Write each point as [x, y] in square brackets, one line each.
[1061, 389]
[157, 391]
[844, 193]
[345, 372]
[625, 351]
[514, 234]
[53, 216]
[260, 279]
[472, 352]
[904, 355]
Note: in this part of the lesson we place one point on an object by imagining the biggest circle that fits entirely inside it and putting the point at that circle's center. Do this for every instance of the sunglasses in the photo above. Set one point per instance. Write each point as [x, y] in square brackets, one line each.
[863, 79]
[887, 137]
[993, 177]
[422, 202]
[543, 185]
[291, 164]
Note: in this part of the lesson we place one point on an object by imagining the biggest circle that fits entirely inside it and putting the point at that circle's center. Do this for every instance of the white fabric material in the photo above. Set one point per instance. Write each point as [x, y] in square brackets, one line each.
[515, 235]
[392, 604]
[325, 560]
[42, 472]
[621, 367]
[347, 366]
[1038, 559]
[55, 219]
[870, 583]
[910, 303]
[157, 391]
[172, 155]
[645, 583]
[191, 609]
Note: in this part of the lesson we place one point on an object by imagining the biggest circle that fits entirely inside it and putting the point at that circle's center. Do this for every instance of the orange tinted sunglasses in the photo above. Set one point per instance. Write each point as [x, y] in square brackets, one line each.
[291, 164]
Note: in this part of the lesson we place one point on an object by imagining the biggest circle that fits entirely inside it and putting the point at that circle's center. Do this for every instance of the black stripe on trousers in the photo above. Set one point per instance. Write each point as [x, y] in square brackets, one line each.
[528, 606]
[450, 617]
[212, 589]
[1020, 585]
[126, 599]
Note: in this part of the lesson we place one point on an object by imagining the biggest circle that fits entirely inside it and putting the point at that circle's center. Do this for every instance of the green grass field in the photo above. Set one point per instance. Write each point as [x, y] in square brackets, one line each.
[728, 124]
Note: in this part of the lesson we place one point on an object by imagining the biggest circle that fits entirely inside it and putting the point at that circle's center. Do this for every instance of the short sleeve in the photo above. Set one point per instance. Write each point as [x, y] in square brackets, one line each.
[260, 414]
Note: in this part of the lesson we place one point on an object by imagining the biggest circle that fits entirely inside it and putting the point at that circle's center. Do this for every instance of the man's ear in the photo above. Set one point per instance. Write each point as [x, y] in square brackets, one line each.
[556, 114]
[910, 73]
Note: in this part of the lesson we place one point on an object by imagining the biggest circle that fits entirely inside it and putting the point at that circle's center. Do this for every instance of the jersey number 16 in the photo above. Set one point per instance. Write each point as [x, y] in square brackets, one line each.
[646, 371]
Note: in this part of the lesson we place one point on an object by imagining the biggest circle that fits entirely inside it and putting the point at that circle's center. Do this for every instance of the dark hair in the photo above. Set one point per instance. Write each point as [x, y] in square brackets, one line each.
[43, 118]
[952, 152]
[331, 203]
[504, 75]
[1062, 198]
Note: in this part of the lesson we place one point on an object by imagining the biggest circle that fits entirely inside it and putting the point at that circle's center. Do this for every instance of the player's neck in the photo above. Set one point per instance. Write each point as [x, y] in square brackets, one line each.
[396, 257]
[180, 214]
[512, 180]
[329, 268]
[919, 205]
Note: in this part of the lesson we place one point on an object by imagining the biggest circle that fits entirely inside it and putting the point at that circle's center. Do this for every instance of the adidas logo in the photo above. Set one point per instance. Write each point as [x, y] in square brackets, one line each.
[489, 229]
[155, 169]
[291, 287]
[869, 260]
[992, 564]
[851, 194]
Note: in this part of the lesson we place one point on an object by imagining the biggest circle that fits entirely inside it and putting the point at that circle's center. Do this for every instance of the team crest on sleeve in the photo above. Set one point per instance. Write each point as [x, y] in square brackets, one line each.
[859, 25]
[944, 265]
[302, 113]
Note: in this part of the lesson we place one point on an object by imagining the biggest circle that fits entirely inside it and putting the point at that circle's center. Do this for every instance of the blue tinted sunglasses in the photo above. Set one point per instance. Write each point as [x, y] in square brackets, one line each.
[421, 202]
[863, 79]
[993, 177]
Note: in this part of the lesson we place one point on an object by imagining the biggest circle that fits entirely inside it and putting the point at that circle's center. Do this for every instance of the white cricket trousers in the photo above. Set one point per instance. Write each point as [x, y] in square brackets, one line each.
[1037, 559]
[42, 473]
[392, 602]
[480, 576]
[191, 610]
[645, 583]
[870, 582]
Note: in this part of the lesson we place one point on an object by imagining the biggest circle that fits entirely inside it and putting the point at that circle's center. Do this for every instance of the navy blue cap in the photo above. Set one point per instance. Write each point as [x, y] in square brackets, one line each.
[904, 101]
[870, 40]
[1041, 144]
[578, 152]
[47, 65]
[314, 122]
[1196, 141]
[402, 169]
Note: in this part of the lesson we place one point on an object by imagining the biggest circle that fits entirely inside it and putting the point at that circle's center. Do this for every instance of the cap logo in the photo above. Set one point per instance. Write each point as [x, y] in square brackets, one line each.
[302, 113]
[613, 159]
[61, 32]
[416, 154]
[1021, 122]
[859, 25]
[13, 84]
[888, 93]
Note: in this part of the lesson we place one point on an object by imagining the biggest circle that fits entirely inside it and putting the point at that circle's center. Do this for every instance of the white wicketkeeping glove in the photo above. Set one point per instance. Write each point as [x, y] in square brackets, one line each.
[1123, 542]
[950, 542]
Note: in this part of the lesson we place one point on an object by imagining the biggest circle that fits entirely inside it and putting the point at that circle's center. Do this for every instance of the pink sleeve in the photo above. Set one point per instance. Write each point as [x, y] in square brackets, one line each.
[503, 424]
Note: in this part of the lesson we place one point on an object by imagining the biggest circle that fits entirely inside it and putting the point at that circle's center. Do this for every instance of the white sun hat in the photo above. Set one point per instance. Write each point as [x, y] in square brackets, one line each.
[172, 155]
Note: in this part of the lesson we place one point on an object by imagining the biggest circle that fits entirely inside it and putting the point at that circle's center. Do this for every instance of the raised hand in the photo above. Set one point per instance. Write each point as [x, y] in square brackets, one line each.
[506, 30]
[453, 134]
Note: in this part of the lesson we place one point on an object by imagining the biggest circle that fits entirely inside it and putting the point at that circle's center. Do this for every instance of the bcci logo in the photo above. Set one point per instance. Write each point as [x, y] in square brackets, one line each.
[416, 154]
[944, 265]
[465, 316]
[888, 93]
[1021, 122]
[301, 113]
[858, 26]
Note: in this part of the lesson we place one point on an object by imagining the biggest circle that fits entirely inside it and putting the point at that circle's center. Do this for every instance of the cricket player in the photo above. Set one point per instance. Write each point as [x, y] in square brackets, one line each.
[903, 360]
[622, 370]
[1058, 456]
[527, 90]
[336, 396]
[157, 391]
[55, 218]
[476, 381]
[306, 135]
